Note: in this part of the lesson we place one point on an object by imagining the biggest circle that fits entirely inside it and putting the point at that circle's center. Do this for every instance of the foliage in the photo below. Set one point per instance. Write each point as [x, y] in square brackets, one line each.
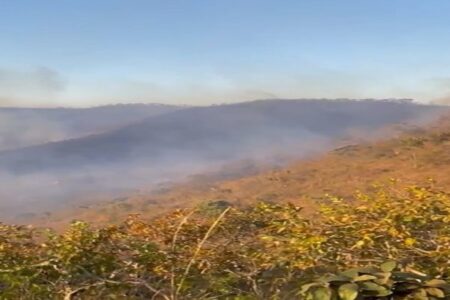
[264, 251]
[376, 282]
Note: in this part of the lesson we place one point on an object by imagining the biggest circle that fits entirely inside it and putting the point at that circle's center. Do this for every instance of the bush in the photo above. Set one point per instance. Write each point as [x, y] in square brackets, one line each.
[266, 251]
[376, 283]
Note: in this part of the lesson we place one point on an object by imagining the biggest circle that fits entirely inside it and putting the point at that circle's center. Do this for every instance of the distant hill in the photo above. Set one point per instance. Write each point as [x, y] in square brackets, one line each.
[22, 127]
[168, 148]
[415, 156]
[217, 132]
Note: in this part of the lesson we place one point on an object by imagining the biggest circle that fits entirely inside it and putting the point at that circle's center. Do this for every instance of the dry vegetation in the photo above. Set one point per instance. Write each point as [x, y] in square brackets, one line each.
[367, 221]
[414, 156]
[264, 251]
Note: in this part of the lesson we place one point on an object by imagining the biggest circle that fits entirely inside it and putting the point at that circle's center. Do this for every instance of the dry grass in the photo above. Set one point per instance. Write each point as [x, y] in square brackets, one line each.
[413, 157]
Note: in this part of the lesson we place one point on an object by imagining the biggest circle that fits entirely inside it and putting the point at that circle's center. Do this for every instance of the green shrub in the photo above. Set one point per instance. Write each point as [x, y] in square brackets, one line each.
[265, 251]
[381, 282]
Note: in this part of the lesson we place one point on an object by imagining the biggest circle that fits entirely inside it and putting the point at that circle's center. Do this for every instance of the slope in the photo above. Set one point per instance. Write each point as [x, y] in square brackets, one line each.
[416, 155]
[23, 127]
[216, 132]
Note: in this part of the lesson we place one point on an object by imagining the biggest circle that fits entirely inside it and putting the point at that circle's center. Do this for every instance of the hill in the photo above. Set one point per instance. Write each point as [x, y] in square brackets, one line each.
[217, 132]
[24, 127]
[381, 233]
[415, 155]
[168, 147]
[390, 241]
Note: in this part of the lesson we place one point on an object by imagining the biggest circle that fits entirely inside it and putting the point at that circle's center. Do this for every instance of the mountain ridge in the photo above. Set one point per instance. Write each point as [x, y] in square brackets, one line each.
[25, 127]
[170, 147]
[130, 134]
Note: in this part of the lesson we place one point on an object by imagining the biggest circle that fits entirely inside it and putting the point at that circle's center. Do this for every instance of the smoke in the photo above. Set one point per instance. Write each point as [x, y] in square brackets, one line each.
[45, 86]
[32, 129]
[24, 196]
[22, 127]
[171, 146]
[439, 88]
[442, 100]
[41, 85]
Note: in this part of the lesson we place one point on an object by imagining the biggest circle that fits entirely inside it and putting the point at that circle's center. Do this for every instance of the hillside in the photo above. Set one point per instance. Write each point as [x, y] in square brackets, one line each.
[381, 242]
[217, 132]
[381, 233]
[169, 147]
[416, 155]
[24, 127]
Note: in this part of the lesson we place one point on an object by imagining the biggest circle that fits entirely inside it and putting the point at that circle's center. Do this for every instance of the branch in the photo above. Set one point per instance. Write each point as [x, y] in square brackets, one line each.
[199, 247]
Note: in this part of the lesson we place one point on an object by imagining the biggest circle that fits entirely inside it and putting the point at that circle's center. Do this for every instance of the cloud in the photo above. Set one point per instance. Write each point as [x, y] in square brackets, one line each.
[40, 85]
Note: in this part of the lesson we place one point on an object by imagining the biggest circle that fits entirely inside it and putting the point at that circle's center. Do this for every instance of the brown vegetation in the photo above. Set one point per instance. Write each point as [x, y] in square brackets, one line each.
[414, 156]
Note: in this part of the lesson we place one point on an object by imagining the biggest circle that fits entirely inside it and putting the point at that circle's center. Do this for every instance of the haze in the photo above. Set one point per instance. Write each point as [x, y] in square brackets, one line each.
[110, 151]
[69, 71]
[224, 149]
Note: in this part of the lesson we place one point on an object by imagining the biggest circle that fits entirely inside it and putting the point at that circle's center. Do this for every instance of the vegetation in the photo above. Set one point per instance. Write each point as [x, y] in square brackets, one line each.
[412, 157]
[393, 242]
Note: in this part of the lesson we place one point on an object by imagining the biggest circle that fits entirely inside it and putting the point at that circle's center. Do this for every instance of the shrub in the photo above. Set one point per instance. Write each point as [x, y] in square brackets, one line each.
[376, 283]
[265, 251]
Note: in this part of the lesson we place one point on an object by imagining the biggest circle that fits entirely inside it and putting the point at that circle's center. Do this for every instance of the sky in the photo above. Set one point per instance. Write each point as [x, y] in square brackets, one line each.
[95, 52]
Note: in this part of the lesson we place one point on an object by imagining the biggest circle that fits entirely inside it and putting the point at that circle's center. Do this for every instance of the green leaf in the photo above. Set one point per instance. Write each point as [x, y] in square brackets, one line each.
[320, 293]
[383, 278]
[364, 278]
[352, 273]
[367, 270]
[383, 293]
[337, 278]
[370, 286]
[406, 286]
[375, 289]
[305, 287]
[388, 266]
[348, 291]
[419, 294]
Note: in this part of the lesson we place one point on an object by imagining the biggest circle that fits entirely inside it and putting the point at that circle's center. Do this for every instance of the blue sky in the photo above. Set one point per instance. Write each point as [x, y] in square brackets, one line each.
[93, 52]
